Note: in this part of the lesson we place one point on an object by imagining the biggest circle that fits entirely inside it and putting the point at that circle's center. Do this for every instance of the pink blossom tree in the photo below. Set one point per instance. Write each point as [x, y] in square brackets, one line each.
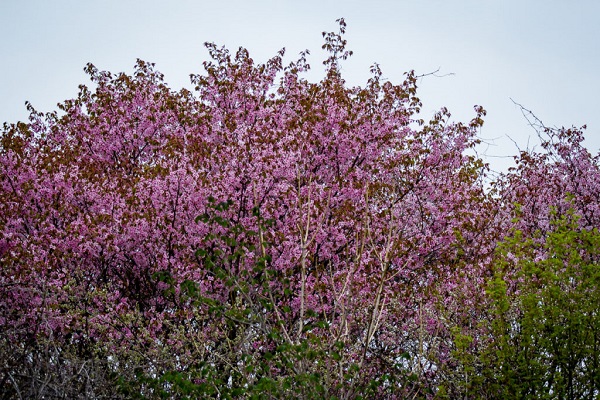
[262, 236]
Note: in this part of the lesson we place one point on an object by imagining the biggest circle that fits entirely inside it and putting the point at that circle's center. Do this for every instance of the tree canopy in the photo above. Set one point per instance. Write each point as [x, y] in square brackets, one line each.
[269, 237]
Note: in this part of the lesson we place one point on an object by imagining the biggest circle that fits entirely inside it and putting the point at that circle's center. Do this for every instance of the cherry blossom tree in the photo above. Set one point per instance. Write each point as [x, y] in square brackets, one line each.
[261, 236]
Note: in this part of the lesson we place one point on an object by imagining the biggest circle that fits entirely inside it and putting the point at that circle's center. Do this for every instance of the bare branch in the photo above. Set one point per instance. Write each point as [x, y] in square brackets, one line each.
[435, 74]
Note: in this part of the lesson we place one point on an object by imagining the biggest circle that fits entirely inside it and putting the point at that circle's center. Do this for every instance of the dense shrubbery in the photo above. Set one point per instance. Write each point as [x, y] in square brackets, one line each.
[258, 239]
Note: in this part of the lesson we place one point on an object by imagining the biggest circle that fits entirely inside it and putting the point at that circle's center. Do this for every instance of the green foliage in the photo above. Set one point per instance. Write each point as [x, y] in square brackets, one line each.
[545, 320]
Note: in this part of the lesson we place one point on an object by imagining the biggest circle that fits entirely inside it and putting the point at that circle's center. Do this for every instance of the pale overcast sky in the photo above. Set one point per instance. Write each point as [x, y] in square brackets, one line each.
[544, 54]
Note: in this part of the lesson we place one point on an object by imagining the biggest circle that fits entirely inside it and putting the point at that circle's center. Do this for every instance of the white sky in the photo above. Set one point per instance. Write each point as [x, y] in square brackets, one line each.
[544, 54]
